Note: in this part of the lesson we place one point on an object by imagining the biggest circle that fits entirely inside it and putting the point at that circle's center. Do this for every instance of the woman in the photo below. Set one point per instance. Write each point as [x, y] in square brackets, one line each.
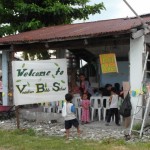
[127, 117]
[85, 86]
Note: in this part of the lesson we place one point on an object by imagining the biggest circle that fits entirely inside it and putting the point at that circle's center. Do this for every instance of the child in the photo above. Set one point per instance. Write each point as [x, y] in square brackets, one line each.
[70, 118]
[113, 107]
[85, 109]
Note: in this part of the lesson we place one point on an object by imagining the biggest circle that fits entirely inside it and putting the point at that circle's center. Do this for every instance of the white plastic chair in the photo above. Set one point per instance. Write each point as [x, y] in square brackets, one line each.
[77, 102]
[45, 107]
[105, 108]
[96, 104]
[59, 106]
[52, 107]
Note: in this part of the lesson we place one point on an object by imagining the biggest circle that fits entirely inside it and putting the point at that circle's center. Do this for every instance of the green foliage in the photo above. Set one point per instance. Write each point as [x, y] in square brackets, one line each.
[25, 15]
[37, 54]
[137, 126]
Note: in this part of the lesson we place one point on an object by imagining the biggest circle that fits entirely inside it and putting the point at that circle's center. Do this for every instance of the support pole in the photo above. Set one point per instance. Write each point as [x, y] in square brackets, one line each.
[142, 22]
[5, 77]
[17, 117]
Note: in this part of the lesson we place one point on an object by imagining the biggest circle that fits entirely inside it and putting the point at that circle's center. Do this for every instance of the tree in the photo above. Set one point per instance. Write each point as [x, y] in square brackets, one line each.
[25, 15]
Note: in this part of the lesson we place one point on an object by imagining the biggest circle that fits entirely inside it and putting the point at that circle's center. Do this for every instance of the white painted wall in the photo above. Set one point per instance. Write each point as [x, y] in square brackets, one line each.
[122, 75]
[136, 50]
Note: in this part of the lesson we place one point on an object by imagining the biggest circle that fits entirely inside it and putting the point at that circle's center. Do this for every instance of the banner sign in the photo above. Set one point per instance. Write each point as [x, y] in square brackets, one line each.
[39, 81]
[108, 63]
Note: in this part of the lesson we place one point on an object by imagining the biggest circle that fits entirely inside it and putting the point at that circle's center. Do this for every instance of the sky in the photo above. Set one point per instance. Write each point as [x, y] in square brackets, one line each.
[118, 9]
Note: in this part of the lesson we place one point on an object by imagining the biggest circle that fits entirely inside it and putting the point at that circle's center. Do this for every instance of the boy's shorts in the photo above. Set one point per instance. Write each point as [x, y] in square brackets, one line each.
[69, 123]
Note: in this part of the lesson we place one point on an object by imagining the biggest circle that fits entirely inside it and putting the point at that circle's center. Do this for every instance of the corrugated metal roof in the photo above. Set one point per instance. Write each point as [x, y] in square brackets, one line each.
[76, 31]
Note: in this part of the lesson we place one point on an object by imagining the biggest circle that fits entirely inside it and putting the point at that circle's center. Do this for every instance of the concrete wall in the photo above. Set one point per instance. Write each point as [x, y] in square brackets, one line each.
[136, 67]
[122, 75]
[37, 114]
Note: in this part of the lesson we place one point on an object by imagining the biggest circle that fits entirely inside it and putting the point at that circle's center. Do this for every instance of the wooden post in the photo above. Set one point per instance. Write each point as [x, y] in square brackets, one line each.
[11, 58]
[5, 77]
[17, 117]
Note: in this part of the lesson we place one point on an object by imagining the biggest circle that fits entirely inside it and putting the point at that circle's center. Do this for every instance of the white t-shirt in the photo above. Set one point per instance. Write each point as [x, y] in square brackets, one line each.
[70, 115]
[114, 101]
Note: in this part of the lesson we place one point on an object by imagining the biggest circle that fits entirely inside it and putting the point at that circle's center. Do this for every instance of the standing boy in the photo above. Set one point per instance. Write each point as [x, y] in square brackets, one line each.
[113, 107]
[70, 118]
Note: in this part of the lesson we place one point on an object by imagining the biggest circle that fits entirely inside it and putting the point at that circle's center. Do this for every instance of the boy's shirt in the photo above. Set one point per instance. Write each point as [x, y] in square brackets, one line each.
[70, 109]
[114, 101]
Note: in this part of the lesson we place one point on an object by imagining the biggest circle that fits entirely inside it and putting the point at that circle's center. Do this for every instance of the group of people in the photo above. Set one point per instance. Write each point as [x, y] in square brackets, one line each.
[114, 93]
[86, 91]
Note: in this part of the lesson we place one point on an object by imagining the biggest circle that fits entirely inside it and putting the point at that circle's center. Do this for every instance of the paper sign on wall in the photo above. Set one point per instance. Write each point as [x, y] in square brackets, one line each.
[108, 63]
[39, 81]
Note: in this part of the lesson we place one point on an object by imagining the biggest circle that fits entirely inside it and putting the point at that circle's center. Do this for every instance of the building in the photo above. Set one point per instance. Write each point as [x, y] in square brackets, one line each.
[128, 38]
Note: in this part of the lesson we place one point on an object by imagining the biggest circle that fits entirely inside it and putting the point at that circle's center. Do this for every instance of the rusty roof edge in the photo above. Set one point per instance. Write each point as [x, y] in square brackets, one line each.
[26, 41]
[67, 38]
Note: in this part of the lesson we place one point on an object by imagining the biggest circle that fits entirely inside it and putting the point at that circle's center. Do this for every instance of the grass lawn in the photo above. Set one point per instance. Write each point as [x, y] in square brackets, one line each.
[27, 140]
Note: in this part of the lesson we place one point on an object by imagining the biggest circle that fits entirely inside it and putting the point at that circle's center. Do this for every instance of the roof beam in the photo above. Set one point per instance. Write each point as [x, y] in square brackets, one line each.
[73, 44]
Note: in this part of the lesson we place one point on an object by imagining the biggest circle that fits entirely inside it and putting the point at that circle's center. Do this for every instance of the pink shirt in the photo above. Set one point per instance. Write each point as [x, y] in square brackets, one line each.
[85, 103]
